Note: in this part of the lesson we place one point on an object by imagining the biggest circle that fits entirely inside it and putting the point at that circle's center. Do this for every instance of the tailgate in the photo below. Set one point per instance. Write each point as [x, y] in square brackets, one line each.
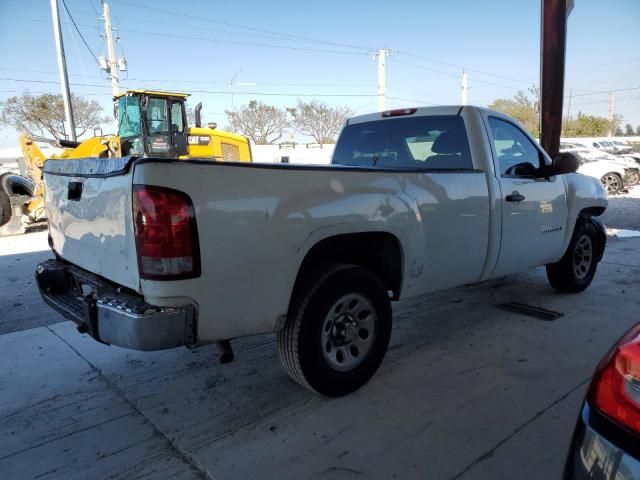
[88, 204]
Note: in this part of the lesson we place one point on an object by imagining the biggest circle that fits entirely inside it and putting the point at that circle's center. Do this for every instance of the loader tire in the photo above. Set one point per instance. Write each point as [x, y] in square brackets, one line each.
[14, 184]
[5, 207]
[337, 330]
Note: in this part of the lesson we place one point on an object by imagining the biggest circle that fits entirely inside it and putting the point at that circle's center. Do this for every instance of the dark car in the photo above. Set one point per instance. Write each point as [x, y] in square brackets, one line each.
[606, 441]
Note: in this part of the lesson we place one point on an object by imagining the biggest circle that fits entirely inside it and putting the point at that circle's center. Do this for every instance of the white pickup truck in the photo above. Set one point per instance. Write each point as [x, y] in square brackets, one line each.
[155, 253]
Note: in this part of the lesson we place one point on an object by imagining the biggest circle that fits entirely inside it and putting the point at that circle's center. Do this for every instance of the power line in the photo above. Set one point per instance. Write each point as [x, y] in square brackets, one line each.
[483, 82]
[607, 91]
[53, 82]
[453, 65]
[213, 92]
[422, 67]
[235, 42]
[64, 4]
[413, 100]
[246, 27]
[606, 101]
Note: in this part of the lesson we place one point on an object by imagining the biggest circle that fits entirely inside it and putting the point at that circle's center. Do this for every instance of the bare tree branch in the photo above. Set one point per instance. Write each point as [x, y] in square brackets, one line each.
[319, 120]
[45, 114]
[264, 124]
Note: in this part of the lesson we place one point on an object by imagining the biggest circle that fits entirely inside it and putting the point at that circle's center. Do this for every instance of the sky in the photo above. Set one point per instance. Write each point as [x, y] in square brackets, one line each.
[280, 51]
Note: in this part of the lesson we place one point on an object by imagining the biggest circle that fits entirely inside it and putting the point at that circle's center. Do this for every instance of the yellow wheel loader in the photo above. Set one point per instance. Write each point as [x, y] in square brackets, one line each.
[150, 124]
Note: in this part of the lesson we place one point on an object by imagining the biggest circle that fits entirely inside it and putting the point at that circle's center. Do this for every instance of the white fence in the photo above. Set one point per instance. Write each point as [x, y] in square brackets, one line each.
[298, 154]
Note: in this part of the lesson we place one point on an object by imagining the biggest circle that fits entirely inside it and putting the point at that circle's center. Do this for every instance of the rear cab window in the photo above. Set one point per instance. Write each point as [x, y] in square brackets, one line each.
[422, 142]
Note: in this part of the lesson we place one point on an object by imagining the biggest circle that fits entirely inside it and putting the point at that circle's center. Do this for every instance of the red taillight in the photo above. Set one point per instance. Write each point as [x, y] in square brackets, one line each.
[615, 388]
[166, 233]
[399, 112]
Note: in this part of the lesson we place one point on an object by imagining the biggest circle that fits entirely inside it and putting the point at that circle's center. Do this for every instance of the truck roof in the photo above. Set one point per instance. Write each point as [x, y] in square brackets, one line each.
[420, 111]
[159, 93]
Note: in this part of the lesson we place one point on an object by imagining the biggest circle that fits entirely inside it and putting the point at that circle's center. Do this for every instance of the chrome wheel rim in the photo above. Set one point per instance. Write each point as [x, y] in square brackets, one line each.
[611, 182]
[582, 257]
[348, 332]
[633, 177]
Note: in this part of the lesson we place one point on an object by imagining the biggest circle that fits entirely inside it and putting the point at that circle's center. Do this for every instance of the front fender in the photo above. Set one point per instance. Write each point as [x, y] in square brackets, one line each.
[586, 197]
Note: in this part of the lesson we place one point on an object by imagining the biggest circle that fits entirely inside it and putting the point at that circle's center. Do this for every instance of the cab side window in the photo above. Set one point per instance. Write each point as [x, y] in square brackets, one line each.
[517, 155]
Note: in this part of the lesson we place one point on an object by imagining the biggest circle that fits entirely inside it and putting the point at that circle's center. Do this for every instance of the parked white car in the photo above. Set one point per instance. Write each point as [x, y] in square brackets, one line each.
[159, 253]
[615, 172]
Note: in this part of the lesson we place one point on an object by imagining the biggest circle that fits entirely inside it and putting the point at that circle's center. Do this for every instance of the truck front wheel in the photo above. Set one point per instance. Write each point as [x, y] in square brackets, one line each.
[337, 330]
[576, 269]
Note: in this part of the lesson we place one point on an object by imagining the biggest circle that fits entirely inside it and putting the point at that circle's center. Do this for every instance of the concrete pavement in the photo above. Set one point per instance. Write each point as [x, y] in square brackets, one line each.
[466, 391]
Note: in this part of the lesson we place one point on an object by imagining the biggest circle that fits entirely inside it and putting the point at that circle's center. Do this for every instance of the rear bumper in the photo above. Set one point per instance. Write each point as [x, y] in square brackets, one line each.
[601, 451]
[110, 315]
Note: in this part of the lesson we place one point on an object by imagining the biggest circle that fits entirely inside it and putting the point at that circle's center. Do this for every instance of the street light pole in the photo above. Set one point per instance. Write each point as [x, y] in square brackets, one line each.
[465, 88]
[231, 83]
[62, 68]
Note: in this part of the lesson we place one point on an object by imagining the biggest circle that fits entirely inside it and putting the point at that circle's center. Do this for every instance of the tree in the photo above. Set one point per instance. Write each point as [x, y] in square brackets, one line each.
[618, 132]
[638, 130]
[42, 114]
[586, 126]
[264, 124]
[628, 130]
[319, 120]
[524, 107]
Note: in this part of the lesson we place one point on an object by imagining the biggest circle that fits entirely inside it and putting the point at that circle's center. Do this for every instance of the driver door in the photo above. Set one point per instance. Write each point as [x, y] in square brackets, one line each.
[534, 209]
[178, 130]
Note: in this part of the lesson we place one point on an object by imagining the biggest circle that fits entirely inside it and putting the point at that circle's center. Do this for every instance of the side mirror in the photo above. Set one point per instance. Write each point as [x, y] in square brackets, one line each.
[564, 162]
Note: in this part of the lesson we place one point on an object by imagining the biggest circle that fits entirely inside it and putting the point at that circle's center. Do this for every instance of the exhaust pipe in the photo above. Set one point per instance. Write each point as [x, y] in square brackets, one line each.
[226, 352]
[197, 115]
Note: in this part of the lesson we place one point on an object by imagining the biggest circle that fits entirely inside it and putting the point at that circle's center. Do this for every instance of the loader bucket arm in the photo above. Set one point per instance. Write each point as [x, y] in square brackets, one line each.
[33, 157]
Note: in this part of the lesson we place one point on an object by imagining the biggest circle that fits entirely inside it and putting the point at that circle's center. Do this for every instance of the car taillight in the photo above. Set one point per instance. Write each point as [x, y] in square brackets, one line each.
[615, 388]
[166, 233]
[399, 112]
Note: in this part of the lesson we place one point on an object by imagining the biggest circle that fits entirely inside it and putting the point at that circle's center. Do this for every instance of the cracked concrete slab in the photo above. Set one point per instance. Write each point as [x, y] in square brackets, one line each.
[466, 391]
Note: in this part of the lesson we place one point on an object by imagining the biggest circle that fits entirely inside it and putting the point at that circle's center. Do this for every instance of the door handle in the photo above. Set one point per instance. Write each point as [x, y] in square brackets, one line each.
[515, 197]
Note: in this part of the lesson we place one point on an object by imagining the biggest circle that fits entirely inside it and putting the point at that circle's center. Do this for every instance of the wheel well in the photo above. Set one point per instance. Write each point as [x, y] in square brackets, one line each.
[380, 252]
[591, 212]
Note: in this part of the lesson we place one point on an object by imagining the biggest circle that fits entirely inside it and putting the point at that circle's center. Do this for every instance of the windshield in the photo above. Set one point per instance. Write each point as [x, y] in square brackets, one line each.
[129, 117]
[157, 116]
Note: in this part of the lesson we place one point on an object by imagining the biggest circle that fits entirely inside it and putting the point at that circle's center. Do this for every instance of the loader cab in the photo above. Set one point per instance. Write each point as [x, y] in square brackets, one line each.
[152, 123]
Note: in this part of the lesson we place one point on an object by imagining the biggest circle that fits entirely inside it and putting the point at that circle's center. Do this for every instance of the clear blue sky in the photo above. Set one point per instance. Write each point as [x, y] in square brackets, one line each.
[201, 49]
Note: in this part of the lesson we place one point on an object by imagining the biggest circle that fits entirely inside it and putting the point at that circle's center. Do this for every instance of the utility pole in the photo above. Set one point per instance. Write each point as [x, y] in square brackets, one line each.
[231, 83]
[612, 113]
[566, 124]
[382, 80]
[465, 88]
[113, 65]
[62, 67]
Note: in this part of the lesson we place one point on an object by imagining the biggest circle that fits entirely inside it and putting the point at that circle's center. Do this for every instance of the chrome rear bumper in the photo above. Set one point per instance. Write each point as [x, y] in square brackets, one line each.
[111, 315]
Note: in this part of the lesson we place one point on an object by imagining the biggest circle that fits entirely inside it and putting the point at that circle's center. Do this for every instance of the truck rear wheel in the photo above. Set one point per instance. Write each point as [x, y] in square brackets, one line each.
[337, 331]
[576, 269]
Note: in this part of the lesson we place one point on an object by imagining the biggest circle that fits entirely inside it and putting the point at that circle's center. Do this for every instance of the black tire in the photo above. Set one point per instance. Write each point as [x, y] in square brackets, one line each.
[612, 183]
[5, 207]
[300, 342]
[14, 184]
[576, 269]
[632, 177]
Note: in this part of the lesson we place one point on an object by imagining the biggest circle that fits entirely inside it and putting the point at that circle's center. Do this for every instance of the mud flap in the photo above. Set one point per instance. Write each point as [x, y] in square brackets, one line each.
[602, 237]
